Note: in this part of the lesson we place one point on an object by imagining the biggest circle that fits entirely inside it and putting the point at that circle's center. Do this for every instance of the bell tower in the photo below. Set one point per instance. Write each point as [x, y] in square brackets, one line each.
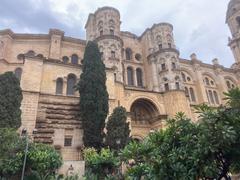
[233, 21]
[104, 27]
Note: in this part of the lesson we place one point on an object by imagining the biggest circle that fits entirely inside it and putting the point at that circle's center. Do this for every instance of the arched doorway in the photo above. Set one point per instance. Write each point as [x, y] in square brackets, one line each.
[144, 111]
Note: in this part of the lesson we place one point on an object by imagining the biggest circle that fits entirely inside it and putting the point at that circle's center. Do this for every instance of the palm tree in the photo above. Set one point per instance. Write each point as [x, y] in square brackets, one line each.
[233, 98]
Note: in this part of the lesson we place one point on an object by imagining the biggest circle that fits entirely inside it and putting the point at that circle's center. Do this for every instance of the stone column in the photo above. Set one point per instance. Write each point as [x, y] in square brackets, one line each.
[221, 84]
[201, 91]
[135, 77]
[56, 43]
[154, 74]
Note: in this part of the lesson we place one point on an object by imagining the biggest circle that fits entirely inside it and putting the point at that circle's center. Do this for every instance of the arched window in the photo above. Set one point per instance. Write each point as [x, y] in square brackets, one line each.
[207, 81]
[113, 54]
[138, 57]
[65, 59]
[100, 27]
[166, 86]
[71, 81]
[216, 97]
[18, 73]
[177, 85]
[230, 84]
[186, 91]
[160, 46]
[74, 59]
[128, 53]
[211, 96]
[30, 53]
[111, 26]
[111, 31]
[173, 65]
[192, 94]
[183, 77]
[20, 57]
[163, 66]
[59, 86]
[139, 77]
[40, 56]
[130, 76]
[111, 23]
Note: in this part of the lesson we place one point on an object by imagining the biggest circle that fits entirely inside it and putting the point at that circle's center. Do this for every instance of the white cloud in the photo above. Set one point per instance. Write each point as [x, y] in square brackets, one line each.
[199, 26]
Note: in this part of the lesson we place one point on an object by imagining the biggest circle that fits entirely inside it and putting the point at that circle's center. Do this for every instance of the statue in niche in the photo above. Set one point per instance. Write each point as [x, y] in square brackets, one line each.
[1, 49]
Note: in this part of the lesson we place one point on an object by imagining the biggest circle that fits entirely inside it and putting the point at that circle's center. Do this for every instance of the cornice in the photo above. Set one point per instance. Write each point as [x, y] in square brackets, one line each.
[103, 37]
[6, 62]
[163, 51]
[210, 66]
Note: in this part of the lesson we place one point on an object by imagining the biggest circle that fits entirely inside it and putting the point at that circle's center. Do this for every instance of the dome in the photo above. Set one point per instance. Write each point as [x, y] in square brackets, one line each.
[233, 6]
[107, 8]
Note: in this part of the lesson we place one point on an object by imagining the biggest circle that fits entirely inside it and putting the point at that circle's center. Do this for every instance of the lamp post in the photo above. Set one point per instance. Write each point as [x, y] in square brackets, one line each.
[118, 142]
[25, 134]
[151, 131]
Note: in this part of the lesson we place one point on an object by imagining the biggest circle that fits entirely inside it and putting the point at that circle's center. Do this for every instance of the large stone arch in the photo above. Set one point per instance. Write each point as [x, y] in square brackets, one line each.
[143, 110]
[211, 75]
[154, 100]
[231, 78]
[145, 115]
[191, 74]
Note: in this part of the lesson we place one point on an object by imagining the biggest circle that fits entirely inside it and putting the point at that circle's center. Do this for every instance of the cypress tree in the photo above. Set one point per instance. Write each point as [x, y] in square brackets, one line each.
[117, 129]
[93, 97]
[10, 101]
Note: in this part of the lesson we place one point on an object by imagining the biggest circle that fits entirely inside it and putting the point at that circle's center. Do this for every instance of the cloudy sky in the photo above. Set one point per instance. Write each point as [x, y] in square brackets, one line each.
[199, 25]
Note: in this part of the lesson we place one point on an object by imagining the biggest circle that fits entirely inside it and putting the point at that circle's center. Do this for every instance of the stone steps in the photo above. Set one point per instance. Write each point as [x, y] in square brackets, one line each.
[55, 115]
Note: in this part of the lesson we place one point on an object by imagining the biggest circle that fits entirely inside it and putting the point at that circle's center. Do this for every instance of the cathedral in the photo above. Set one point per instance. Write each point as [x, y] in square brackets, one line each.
[145, 74]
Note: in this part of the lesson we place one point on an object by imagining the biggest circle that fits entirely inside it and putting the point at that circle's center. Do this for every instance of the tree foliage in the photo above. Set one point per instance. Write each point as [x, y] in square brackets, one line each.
[11, 145]
[209, 149]
[233, 98]
[93, 96]
[166, 154]
[220, 132]
[10, 101]
[117, 129]
[42, 159]
[100, 164]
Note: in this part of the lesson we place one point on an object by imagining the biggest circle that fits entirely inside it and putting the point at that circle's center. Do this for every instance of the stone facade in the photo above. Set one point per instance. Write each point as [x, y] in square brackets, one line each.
[145, 74]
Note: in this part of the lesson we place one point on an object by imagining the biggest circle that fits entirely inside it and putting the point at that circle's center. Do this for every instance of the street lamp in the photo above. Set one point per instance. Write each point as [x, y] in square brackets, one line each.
[25, 134]
[152, 131]
[118, 142]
